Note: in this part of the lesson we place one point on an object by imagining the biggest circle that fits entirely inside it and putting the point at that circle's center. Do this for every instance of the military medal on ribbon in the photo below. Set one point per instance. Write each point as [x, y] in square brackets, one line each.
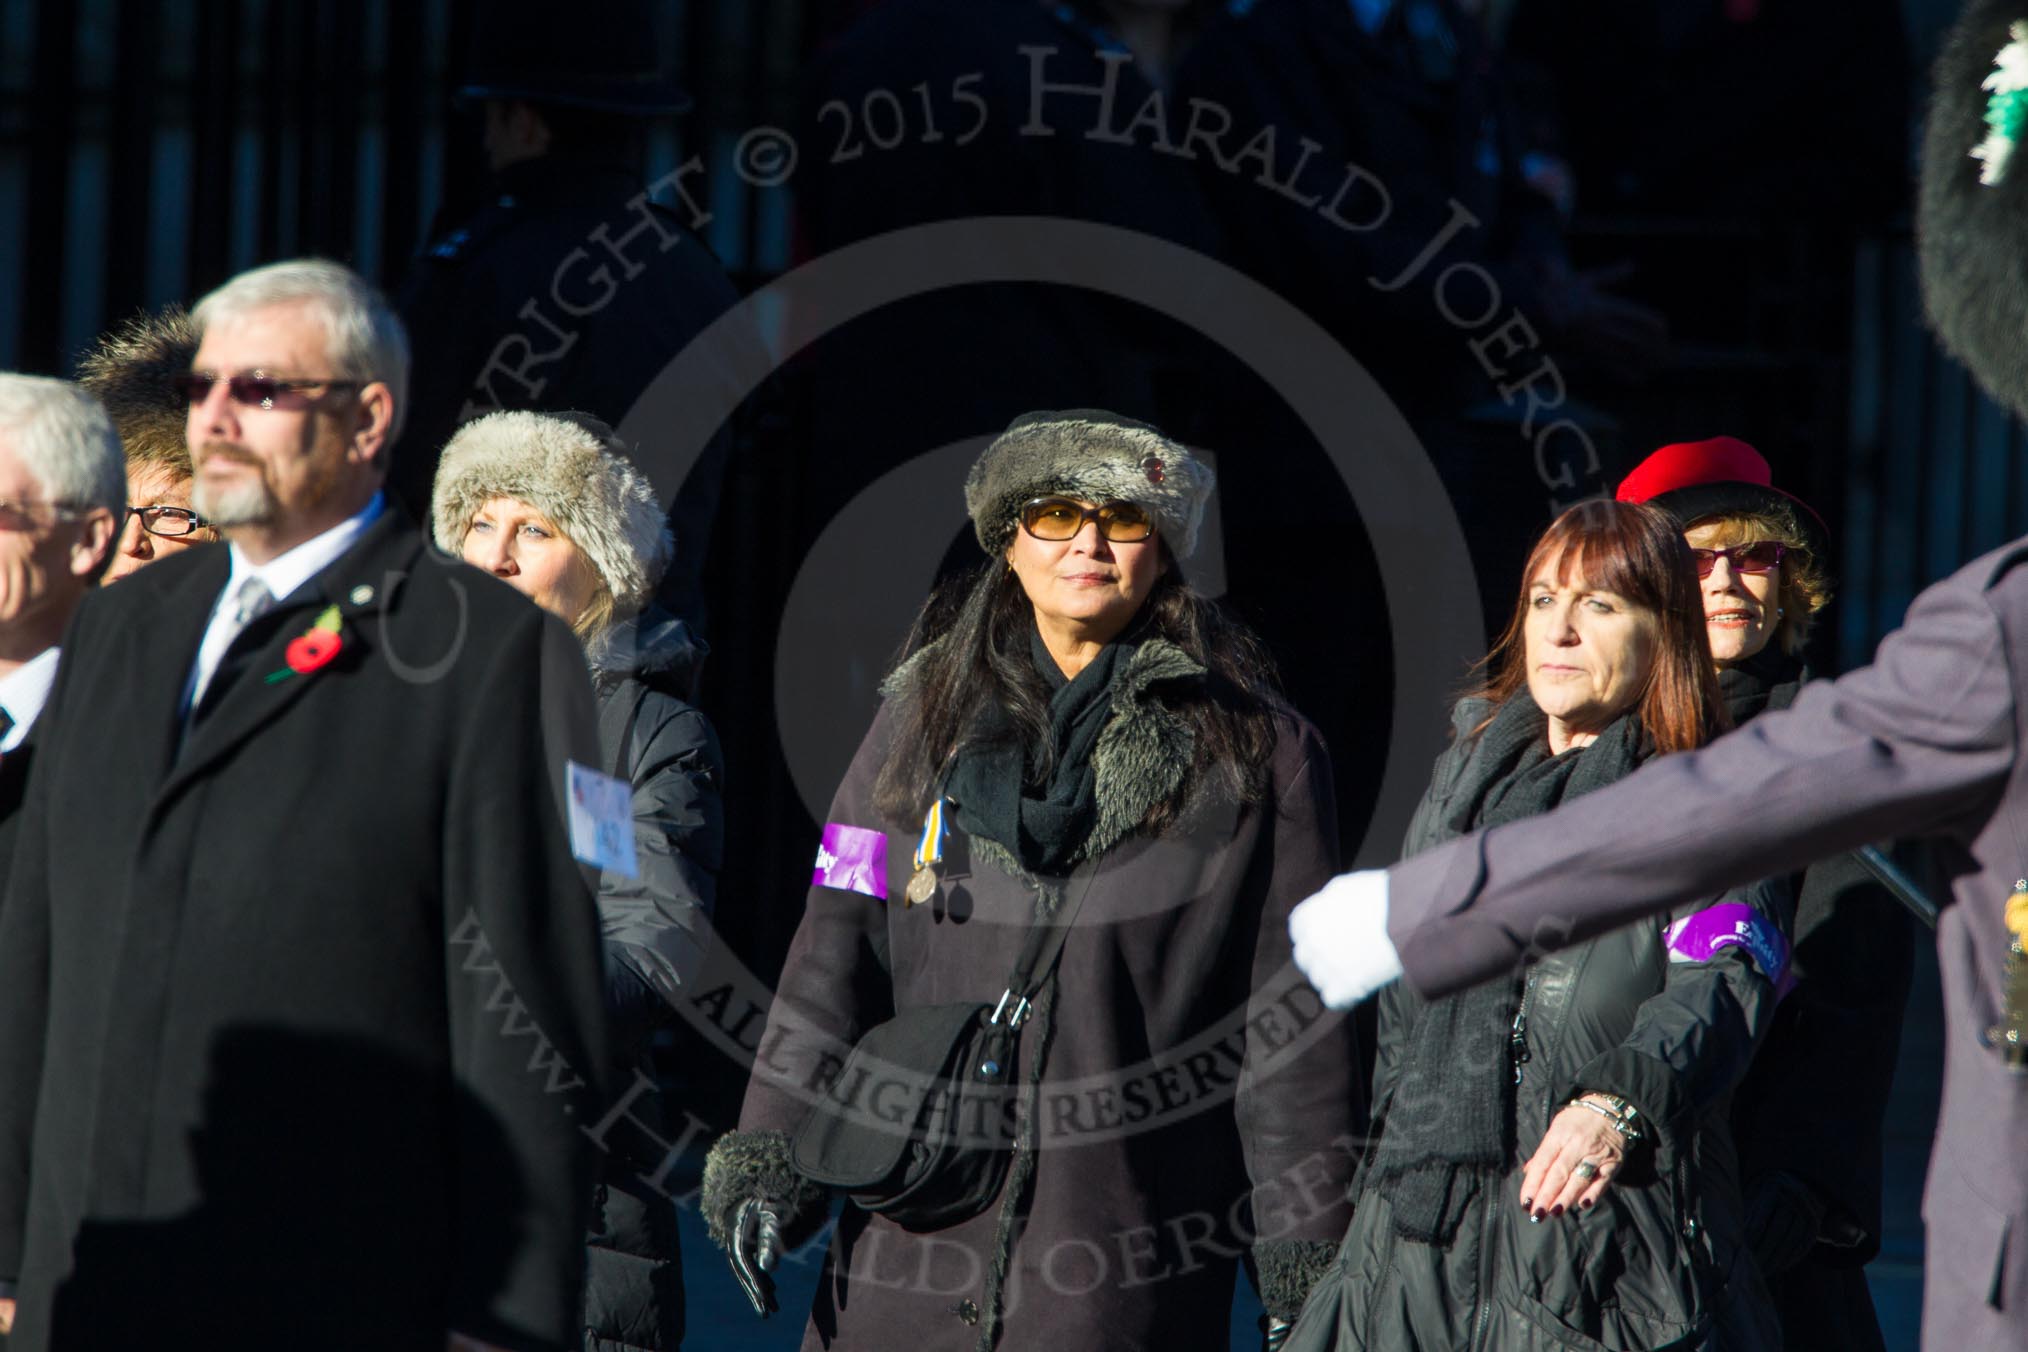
[929, 852]
[2010, 1035]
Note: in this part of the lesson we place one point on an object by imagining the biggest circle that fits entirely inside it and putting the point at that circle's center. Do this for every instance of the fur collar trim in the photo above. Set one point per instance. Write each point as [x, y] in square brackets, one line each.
[1143, 757]
[1145, 752]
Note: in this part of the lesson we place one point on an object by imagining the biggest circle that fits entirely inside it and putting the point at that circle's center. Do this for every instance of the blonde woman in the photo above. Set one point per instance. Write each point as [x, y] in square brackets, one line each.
[1811, 1115]
[552, 505]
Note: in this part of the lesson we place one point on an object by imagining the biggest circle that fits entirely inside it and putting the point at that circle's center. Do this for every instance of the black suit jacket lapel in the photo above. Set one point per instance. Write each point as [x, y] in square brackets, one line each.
[14, 776]
[362, 584]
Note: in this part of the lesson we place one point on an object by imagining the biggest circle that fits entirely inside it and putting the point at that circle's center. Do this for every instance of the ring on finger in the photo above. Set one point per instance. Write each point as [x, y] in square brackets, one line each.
[1586, 1169]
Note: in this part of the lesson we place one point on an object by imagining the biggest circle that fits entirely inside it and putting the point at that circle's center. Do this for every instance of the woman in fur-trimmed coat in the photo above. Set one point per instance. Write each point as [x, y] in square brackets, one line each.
[1184, 1105]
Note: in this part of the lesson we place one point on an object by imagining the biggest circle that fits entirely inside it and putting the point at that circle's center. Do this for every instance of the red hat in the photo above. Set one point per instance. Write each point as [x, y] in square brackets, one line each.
[1691, 480]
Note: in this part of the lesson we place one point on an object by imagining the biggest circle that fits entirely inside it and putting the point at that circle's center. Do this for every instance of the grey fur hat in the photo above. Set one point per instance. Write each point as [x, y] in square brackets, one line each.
[1972, 213]
[1091, 454]
[572, 469]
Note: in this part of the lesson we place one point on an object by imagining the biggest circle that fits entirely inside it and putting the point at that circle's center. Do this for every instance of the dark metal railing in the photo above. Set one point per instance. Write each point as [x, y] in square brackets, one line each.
[149, 150]
[1934, 474]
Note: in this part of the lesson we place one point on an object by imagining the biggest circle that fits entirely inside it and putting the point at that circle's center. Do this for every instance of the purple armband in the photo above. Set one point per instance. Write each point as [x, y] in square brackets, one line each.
[852, 858]
[1698, 937]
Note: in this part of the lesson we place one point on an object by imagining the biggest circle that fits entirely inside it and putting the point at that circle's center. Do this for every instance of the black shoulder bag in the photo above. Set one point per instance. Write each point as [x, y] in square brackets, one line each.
[919, 1124]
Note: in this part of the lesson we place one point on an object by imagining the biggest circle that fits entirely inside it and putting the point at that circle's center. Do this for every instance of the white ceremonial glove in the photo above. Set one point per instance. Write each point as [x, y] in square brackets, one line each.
[1340, 938]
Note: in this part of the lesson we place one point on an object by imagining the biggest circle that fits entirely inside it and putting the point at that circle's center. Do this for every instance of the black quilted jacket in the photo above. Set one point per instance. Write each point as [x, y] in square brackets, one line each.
[657, 927]
[1661, 1262]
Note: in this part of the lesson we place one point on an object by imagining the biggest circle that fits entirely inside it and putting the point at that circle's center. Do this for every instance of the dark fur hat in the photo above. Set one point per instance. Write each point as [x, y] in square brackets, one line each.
[1973, 235]
[1091, 454]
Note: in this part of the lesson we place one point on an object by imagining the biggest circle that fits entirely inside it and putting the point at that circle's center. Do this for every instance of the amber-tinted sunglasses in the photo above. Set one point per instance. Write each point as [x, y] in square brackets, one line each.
[1123, 523]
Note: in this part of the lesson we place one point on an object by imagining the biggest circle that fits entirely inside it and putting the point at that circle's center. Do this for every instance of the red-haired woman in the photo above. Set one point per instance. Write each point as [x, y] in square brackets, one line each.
[1553, 1167]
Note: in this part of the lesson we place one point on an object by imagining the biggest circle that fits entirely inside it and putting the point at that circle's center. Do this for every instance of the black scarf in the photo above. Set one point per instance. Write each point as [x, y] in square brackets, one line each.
[1044, 824]
[1767, 680]
[1447, 1136]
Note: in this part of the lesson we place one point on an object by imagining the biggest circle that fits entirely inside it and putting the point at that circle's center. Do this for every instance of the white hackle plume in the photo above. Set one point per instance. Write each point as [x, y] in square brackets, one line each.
[2008, 87]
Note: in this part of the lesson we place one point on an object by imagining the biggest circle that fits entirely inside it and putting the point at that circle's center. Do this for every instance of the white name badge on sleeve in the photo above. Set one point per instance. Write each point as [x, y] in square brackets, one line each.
[602, 821]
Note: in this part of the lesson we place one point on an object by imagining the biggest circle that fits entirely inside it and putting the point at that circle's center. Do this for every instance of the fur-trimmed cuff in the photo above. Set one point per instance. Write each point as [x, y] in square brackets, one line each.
[745, 1164]
[1288, 1269]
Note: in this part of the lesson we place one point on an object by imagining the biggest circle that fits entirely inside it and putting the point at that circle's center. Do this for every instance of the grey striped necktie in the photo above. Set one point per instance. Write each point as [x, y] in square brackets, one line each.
[252, 601]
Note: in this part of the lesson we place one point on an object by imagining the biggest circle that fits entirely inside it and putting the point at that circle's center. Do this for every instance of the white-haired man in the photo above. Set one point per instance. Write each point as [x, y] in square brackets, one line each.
[63, 492]
[299, 981]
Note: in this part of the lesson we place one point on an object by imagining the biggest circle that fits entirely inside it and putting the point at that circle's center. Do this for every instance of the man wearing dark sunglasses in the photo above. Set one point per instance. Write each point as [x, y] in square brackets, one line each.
[297, 824]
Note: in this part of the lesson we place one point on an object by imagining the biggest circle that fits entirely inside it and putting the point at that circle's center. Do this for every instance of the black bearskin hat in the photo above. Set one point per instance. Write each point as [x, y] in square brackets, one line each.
[1972, 217]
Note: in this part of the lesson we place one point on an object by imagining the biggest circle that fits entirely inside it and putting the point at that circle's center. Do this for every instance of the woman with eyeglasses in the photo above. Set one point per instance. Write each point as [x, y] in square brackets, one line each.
[1810, 1117]
[1553, 1167]
[551, 505]
[1073, 735]
[132, 371]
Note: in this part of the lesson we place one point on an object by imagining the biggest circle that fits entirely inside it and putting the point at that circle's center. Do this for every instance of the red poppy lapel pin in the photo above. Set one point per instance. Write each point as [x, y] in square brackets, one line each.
[313, 648]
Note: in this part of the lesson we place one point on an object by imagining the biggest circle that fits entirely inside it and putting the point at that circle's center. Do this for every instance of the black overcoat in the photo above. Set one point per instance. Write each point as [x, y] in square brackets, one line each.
[297, 1018]
[14, 768]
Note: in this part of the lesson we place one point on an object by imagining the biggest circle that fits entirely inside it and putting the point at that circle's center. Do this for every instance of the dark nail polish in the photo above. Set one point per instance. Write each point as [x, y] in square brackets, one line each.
[1556, 1211]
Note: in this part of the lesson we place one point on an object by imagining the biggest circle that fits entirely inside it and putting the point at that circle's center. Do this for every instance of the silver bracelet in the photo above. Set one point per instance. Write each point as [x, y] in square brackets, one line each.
[1625, 1118]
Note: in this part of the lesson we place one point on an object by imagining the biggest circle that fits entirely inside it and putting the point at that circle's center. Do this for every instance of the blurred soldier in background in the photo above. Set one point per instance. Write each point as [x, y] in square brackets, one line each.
[570, 288]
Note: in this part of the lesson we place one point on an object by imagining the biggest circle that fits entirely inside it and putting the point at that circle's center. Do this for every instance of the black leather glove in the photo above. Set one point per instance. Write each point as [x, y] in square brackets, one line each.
[1783, 1216]
[1274, 1332]
[756, 1246]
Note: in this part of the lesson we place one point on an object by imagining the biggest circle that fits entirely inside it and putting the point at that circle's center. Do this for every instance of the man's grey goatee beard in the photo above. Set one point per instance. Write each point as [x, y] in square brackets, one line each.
[234, 505]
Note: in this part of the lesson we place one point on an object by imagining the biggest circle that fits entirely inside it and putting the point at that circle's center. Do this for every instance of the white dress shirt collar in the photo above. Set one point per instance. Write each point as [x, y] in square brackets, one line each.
[281, 575]
[23, 692]
[286, 572]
